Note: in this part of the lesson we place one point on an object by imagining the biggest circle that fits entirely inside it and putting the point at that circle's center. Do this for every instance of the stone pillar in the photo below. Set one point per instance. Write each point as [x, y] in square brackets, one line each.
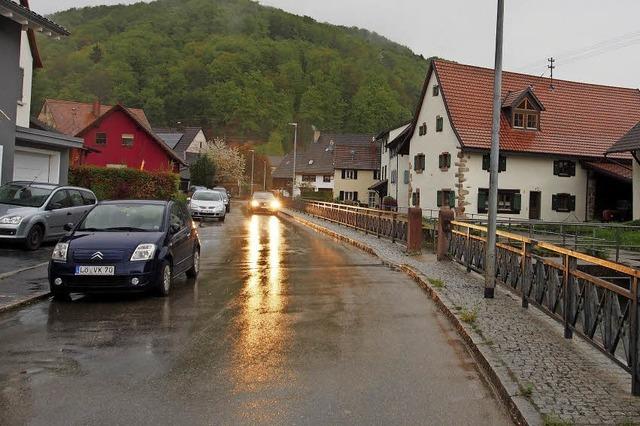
[414, 231]
[445, 217]
[462, 203]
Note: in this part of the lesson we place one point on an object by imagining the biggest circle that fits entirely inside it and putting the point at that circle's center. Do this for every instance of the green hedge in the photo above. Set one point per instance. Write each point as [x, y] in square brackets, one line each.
[317, 196]
[125, 184]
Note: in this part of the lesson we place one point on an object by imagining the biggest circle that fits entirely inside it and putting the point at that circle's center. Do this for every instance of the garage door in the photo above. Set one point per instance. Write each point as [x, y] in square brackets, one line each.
[36, 165]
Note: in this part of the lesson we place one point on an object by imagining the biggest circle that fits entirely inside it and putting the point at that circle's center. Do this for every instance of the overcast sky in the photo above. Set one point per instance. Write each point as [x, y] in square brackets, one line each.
[464, 31]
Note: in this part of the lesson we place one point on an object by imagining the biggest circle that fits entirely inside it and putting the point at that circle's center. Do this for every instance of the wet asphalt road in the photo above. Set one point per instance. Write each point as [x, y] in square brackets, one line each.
[283, 326]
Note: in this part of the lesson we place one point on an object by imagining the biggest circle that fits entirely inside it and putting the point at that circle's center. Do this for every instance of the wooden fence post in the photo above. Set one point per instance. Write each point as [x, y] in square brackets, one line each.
[569, 264]
[633, 340]
[526, 276]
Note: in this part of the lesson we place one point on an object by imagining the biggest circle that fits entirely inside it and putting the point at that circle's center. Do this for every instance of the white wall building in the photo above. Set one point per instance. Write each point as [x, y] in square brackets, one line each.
[552, 146]
[630, 143]
[394, 166]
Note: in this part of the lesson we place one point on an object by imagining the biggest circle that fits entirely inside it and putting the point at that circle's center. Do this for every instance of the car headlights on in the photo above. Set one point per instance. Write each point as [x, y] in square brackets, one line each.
[255, 203]
[60, 252]
[11, 220]
[275, 204]
[143, 252]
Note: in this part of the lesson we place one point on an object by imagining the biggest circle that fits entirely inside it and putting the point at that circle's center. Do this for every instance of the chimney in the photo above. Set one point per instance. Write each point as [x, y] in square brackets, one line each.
[96, 108]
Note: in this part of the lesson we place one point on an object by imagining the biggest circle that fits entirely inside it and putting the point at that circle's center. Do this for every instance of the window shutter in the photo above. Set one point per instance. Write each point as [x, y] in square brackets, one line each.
[355, 174]
[452, 199]
[448, 160]
[355, 196]
[502, 164]
[439, 123]
[439, 198]
[342, 194]
[572, 168]
[554, 202]
[440, 161]
[406, 176]
[486, 162]
[482, 201]
[517, 201]
[342, 173]
[572, 203]
[556, 168]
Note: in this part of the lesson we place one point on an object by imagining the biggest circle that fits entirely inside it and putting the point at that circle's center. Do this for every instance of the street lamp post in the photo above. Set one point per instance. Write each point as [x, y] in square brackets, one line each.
[264, 175]
[253, 152]
[295, 143]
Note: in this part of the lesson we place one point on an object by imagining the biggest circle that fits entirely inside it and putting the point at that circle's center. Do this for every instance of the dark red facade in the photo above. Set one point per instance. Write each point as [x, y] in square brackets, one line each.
[146, 152]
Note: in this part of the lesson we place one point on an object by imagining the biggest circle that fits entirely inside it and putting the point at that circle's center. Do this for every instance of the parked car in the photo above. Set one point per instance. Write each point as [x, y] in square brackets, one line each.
[225, 197]
[126, 246]
[207, 204]
[264, 202]
[32, 213]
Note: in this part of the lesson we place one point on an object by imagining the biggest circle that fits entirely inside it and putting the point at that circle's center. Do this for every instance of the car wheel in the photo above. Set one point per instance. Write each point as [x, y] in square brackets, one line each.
[195, 268]
[222, 218]
[34, 238]
[228, 208]
[164, 285]
[60, 295]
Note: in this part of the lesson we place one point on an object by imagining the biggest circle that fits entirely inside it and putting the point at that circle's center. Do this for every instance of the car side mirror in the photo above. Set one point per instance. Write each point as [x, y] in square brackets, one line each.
[68, 227]
[54, 206]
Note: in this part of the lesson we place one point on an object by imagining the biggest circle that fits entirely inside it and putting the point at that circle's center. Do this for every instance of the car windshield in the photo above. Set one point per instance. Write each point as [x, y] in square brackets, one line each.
[221, 192]
[263, 196]
[207, 196]
[124, 217]
[27, 195]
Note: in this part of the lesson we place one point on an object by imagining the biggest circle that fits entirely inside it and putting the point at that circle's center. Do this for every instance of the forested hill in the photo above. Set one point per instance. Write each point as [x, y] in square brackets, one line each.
[234, 66]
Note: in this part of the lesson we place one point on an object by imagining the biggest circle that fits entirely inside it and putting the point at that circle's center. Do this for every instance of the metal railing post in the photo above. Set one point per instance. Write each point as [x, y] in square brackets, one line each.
[467, 253]
[569, 264]
[526, 277]
[617, 244]
[393, 228]
[379, 224]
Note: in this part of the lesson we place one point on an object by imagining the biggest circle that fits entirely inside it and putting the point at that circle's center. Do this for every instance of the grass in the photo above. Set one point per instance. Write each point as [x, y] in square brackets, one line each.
[549, 420]
[526, 390]
[469, 315]
[436, 282]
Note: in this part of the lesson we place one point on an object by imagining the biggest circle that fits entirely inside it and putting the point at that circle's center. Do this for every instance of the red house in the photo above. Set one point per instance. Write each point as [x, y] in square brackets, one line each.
[119, 138]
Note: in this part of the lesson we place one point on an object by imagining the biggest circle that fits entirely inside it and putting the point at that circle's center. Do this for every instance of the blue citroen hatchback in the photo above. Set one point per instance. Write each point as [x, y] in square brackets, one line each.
[122, 246]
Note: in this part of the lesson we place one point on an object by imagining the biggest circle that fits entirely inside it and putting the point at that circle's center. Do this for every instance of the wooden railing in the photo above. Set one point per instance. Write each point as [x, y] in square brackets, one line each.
[382, 223]
[595, 298]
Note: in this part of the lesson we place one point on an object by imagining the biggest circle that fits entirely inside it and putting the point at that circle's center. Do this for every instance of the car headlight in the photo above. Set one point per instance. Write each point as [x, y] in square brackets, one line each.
[275, 204]
[255, 203]
[143, 252]
[60, 252]
[11, 220]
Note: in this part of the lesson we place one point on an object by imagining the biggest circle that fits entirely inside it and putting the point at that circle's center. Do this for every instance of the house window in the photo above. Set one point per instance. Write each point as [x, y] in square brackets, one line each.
[349, 174]
[348, 195]
[436, 90]
[564, 168]
[101, 138]
[509, 201]
[439, 123]
[308, 178]
[406, 177]
[415, 198]
[423, 129]
[444, 161]
[384, 172]
[372, 198]
[394, 176]
[446, 197]
[127, 140]
[518, 120]
[563, 202]
[326, 179]
[486, 163]
[376, 175]
[526, 116]
[532, 121]
[418, 163]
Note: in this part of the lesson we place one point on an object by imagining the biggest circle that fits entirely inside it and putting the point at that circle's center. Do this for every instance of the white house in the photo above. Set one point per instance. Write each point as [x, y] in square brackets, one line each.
[553, 139]
[630, 142]
[394, 165]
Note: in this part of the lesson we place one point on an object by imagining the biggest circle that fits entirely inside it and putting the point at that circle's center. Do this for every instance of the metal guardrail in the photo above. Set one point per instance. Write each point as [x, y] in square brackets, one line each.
[603, 310]
[382, 223]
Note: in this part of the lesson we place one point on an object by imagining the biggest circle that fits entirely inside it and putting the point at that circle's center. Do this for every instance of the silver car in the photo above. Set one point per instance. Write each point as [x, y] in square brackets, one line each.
[35, 212]
[207, 204]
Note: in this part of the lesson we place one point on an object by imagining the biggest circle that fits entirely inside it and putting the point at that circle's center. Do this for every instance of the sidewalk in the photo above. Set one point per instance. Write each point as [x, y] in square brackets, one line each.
[23, 287]
[562, 381]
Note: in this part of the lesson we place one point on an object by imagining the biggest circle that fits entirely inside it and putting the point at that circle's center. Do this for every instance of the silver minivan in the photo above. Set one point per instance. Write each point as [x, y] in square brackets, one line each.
[31, 213]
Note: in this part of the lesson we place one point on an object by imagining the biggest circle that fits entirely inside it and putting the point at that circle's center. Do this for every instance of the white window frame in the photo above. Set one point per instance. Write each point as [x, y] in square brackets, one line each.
[349, 174]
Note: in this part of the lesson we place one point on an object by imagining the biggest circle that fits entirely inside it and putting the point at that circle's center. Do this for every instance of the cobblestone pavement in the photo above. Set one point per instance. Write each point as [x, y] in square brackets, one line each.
[566, 381]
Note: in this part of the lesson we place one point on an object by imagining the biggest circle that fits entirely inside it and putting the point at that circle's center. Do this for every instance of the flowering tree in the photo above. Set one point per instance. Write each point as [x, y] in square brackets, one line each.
[229, 163]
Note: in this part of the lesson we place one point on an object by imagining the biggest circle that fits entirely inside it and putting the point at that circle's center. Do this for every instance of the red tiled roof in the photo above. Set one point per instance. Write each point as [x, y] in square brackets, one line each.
[71, 117]
[620, 171]
[579, 119]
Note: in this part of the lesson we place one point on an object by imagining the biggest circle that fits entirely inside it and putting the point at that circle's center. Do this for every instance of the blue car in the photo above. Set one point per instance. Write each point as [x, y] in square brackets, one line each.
[125, 246]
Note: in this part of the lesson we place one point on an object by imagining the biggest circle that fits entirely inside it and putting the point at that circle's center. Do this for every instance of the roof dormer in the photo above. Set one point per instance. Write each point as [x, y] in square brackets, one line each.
[523, 109]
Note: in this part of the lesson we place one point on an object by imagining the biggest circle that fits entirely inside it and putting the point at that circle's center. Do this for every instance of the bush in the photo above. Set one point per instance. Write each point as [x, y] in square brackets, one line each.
[203, 172]
[389, 203]
[317, 196]
[125, 183]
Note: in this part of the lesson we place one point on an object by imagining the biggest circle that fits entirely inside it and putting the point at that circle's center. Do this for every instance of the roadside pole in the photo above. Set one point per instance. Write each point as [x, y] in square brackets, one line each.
[253, 154]
[490, 269]
[295, 143]
[264, 175]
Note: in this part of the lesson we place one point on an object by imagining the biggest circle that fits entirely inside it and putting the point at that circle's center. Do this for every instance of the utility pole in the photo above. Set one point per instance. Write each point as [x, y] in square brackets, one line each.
[551, 68]
[295, 143]
[490, 269]
[264, 175]
[253, 153]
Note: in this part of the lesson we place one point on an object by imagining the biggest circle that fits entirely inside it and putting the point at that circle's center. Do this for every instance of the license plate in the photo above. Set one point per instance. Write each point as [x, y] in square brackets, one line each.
[95, 270]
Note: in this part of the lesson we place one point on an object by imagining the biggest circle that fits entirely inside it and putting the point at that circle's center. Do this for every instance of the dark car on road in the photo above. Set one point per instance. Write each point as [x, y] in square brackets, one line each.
[31, 213]
[264, 202]
[125, 246]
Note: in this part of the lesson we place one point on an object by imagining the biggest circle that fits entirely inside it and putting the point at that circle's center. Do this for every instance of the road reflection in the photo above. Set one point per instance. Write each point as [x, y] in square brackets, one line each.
[263, 328]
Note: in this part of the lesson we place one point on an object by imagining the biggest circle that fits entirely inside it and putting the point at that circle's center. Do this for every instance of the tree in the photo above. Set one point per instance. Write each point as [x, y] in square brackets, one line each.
[229, 162]
[96, 54]
[203, 172]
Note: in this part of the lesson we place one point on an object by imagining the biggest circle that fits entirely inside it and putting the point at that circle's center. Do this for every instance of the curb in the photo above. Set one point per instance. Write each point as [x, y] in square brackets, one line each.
[521, 411]
[18, 271]
[25, 301]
